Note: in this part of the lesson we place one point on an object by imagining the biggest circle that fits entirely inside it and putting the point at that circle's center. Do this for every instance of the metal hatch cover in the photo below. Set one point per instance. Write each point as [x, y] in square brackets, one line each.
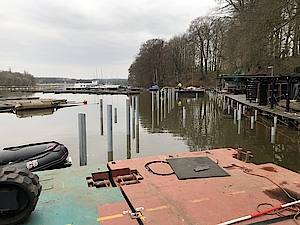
[196, 167]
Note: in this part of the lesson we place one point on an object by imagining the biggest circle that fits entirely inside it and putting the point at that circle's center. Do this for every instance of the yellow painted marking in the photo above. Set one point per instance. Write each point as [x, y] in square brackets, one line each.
[237, 192]
[109, 217]
[269, 187]
[143, 218]
[157, 208]
[198, 200]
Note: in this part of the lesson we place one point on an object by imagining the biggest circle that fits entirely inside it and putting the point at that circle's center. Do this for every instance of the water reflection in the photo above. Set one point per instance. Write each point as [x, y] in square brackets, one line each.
[202, 124]
[34, 112]
[175, 126]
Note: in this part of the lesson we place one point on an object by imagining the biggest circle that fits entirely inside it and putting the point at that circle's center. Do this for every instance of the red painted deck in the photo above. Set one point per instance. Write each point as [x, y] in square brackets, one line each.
[167, 200]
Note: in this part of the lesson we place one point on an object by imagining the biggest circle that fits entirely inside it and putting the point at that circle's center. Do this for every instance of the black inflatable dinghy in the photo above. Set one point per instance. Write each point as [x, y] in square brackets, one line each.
[36, 157]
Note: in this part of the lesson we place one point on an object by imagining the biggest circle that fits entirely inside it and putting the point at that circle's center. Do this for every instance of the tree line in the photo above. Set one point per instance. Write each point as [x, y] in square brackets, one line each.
[8, 78]
[250, 35]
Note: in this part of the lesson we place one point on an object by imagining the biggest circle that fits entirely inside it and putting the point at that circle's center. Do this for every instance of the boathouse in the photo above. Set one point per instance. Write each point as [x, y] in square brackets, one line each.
[282, 90]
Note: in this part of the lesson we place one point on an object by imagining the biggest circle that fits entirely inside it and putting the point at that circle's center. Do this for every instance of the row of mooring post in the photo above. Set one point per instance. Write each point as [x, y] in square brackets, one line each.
[239, 111]
[162, 102]
[135, 121]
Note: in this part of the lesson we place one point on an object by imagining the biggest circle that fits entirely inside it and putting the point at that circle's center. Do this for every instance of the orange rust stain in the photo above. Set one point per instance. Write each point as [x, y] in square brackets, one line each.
[283, 183]
[269, 168]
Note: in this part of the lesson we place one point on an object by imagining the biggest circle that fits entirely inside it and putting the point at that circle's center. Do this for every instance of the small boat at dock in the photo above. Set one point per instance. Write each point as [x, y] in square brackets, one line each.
[36, 156]
[191, 92]
[154, 88]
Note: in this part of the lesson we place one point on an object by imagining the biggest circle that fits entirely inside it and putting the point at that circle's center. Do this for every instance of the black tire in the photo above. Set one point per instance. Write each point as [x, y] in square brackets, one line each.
[29, 190]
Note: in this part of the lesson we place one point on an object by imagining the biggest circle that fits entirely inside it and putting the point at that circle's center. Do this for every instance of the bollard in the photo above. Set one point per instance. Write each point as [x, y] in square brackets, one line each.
[109, 133]
[239, 154]
[248, 156]
[82, 139]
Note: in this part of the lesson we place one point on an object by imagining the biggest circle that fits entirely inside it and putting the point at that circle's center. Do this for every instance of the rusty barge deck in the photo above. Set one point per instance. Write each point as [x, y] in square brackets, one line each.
[207, 187]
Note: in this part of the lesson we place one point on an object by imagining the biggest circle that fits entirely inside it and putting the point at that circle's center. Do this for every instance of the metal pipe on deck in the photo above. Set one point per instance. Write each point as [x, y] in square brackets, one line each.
[82, 139]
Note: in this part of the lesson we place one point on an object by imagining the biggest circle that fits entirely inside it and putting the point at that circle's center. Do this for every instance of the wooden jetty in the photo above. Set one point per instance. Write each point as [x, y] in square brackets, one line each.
[290, 118]
[206, 187]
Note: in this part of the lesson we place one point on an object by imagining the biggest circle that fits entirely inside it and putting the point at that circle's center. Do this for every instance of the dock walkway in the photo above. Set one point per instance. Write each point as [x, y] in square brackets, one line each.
[286, 118]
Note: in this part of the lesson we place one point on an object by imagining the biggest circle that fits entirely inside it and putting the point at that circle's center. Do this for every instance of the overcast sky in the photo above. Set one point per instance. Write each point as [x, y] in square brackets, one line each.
[87, 38]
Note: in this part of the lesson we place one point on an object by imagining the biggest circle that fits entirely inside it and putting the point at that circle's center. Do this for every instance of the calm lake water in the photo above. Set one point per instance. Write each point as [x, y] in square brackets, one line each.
[206, 126]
